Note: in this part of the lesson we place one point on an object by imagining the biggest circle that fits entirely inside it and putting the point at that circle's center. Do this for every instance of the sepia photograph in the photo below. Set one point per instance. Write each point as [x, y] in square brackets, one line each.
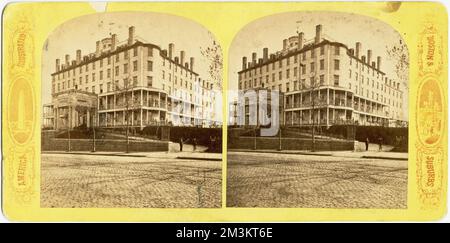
[318, 113]
[131, 115]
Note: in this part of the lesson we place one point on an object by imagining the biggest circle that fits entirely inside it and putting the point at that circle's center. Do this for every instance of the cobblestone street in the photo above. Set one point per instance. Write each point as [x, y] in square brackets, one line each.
[88, 181]
[308, 181]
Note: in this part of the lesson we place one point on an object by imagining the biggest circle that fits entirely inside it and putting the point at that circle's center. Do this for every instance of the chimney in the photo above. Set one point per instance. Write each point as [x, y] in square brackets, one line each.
[272, 56]
[113, 42]
[352, 51]
[369, 56]
[191, 64]
[363, 59]
[131, 35]
[249, 65]
[244, 63]
[176, 60]
[301, 36]
[358, 49]
[67, 60]
[260, 60]
[97, 48]
[254, 58]
[58, 65]
[373, 64]
[164, 52]
[78, 56]
[171, 47]
[285, 44]
[186, 65]
[265, 54]
[378, 62]
[318, 33]
[182, 54]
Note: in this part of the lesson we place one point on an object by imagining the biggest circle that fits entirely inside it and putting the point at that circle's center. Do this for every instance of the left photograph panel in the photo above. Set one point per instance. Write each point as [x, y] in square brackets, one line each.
[131, 113]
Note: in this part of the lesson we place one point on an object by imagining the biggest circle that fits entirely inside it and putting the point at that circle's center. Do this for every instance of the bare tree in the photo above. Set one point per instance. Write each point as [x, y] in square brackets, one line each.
[213, 53]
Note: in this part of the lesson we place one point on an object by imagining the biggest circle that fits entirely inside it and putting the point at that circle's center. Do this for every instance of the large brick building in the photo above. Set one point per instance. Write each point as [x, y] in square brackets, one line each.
[152, 85]
[326, 81]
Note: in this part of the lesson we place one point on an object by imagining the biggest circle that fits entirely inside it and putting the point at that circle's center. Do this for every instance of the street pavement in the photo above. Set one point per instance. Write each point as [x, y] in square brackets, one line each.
[309, 181]
[111, 181]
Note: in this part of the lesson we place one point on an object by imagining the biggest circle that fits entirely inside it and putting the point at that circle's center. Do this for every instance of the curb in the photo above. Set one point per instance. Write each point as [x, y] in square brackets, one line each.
[380, 157]
[280, 152]
[99, 154]
[196, 158]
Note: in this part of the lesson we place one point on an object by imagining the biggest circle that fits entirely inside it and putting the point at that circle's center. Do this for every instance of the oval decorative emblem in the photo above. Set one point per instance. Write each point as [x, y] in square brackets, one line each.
[21, 111]
[430, 123]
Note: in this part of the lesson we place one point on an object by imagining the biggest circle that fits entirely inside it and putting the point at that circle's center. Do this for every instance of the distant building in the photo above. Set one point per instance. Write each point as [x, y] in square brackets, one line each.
[326, 81]
[154, 85]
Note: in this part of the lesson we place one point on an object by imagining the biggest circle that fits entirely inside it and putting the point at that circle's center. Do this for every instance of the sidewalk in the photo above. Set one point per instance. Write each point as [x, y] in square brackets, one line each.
[190, 155]
[348, 154]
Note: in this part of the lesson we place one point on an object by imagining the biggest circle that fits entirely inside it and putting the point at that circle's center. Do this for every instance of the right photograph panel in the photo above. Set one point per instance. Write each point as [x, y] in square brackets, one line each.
[318, 113]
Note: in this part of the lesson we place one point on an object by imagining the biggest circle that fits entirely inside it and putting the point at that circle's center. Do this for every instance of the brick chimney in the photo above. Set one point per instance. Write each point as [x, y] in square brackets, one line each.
[253, 58]
[58, 65]
[363, 59]
[191, 64]
[301, 37]
[131, 35]
[113, 42]
[244, 63]
[97, 48]
[378, 62]
[67, 60]
[358, 49]
[78, 56]
[182, 55]
[318, 33]
[265, 54]
[285, 44]
[369, 56]
[171, 48]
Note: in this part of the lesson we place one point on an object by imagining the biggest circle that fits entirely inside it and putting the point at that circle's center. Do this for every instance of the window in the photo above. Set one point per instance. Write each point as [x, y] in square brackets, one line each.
[101, 75]
[135, 51]
[312, 53]
[280, 63]
[295, 71]
[87, 78]
[101, 62]
[93, 77]
[273, 77]
[87, 67]
[295, 85]
[322, 79]
[312, 67]
[312, 82]
[108, 86]
[135, 65]
[349, 73]
[135, 81]
[149, 66]
[109, 60]
[150, 52]
[280, 75]
[117, 57]
[287, 73]
[117, 70]
[163, 74]
[336, 50]
[322, 50]
[81, 80]
[287, 87]
[108, 73]
[288, 60]
[304, 56]
[303, 69]
[125, 68]
[101, 88]
[336, 80]
[93, 66]
[322, 64]
[295, 59]
[125, 55]
[93, 89]
[336, 64]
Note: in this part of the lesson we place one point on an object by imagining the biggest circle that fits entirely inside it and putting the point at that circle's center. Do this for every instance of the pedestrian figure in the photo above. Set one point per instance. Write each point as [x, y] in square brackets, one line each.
[380, 143]
[367, 144]
[194, 143]
[181, 144]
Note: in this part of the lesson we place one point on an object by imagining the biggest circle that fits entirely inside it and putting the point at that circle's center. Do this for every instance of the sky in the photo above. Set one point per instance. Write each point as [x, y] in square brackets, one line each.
[159, 29]
[342, 27]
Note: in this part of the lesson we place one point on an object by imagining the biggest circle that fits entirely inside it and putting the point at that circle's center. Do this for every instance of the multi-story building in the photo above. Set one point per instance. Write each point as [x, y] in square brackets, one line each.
[151, 85]
[325, 83]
